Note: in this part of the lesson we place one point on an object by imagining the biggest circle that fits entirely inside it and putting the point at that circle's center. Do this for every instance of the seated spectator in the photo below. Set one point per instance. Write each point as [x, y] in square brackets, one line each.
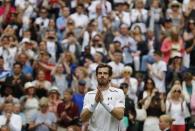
[12, 121]
[68, 113]
[54, 99]
[175, 69]
[41, 84]
[29, 102]
[78, 96]
[16, 80]
[59, 78]
[18, 111]
[43, 120]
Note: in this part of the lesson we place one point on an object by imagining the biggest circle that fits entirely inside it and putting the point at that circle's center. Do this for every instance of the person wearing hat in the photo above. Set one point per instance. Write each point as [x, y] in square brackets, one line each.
[165, 123]
[54, 99]
[175, 14]
[175, 69]
[78, 96]
[43, 120]
[29, 101]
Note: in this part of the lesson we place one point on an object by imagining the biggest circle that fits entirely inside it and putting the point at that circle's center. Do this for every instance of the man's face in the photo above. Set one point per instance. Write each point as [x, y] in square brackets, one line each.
[23, 58]
[117, 57]
[124, 30]
[66, 12]
[79, 10]
[17, 69]
[103, 77]
[8, 108]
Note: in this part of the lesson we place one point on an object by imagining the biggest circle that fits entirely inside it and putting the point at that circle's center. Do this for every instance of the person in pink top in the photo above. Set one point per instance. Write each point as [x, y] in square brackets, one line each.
[173, 45]
[5, 11]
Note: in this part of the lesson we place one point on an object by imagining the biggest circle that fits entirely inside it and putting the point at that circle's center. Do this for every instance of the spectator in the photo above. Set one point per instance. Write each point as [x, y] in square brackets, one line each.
[16, 80]
[43, 120]
[154, 106]
[172, 45]
[59, 78]
[9, 119]
[176, 107]
[68, 113]
[165, 123]
[78, 96]
[29, 102]
[41, 84]
[54, 99]
[157, 72]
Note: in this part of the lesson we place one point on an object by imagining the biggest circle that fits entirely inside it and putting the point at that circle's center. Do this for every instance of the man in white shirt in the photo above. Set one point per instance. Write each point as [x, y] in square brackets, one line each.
[79, 18]
[116, 65]
[157, 71]
[103, 107]
[10, 120]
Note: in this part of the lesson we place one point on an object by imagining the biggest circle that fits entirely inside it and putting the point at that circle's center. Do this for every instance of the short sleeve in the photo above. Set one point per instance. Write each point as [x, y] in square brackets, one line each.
[164, 66]
[120, 99]
[86, 101]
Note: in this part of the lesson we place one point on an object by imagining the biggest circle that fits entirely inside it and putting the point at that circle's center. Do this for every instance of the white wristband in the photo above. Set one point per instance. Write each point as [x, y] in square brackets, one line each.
[108, 106]
[92, 107]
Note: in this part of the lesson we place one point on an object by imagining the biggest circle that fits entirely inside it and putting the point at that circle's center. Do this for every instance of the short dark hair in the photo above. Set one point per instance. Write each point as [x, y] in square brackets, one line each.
[69, 90]
[123, 85]
[104, 66]
[157, 52]
[81, 5]
[1, 57]
[17, 63]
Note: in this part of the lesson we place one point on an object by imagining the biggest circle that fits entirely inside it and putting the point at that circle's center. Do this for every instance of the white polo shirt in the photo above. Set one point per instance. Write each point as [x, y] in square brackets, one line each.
[101, 119]
[15, 123]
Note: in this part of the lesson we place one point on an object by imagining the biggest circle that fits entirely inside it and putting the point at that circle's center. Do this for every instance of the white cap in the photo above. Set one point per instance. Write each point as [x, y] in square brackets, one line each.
[54, 89]
[28, 85]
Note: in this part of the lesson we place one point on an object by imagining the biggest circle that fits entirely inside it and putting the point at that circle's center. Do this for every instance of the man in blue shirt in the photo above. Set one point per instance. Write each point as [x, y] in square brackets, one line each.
[78, 97]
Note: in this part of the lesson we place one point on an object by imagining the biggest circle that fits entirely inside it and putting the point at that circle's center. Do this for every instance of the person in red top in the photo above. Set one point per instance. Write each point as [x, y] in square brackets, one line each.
[5, 11]
[68, 113]
[172, 45]
[44, 64]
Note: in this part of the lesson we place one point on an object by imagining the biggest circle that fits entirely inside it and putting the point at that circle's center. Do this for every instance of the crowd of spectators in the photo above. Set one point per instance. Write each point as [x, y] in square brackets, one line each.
[49, 51]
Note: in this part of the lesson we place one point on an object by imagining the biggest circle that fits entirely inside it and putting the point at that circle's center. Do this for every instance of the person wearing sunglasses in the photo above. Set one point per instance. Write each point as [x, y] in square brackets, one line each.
[176, 107]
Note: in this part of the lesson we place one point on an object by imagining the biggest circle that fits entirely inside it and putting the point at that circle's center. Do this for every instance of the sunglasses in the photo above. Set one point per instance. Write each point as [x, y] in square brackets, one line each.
[178, 91]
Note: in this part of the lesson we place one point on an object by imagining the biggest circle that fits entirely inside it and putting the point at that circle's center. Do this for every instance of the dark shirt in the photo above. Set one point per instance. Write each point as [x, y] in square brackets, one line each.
[78, 100]
[72, 112]
[17, 86]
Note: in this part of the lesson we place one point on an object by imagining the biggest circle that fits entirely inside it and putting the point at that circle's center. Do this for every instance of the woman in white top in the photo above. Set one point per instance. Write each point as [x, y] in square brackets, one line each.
[132, 82]
[176, 107]
[29, 101]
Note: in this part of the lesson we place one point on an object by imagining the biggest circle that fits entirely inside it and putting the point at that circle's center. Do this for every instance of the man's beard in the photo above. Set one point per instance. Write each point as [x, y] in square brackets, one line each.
[102, 83]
